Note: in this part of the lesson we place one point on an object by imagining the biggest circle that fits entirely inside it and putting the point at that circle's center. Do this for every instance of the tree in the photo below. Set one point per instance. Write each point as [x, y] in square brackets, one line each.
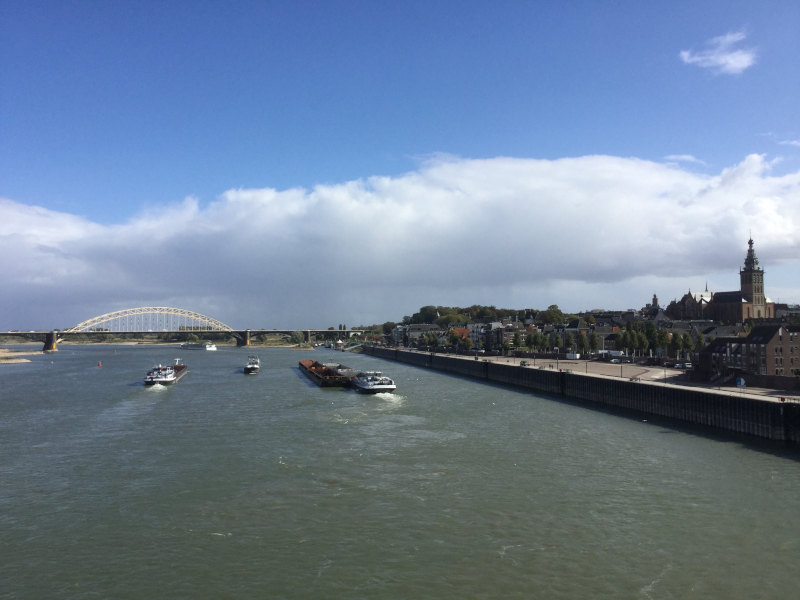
[701, 341]
[431, 339]
[622, 341]
[662, 340]
[552, 315]
[687, 343]
[675, 345]
[541, 341]
[453, 338]
[594, 342]
[555, 341]
[530, 341]
[449, 319]
[569, 340]
[643, 342]
[517, 339]
[426, 314]
[583, 343]
[651, 333]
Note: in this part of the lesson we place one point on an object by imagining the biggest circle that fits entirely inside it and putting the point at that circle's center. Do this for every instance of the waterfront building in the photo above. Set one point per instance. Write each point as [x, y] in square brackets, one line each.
[769, 356]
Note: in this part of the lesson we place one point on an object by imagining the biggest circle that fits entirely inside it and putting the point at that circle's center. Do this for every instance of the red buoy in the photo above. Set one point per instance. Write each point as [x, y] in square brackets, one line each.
[99, 364]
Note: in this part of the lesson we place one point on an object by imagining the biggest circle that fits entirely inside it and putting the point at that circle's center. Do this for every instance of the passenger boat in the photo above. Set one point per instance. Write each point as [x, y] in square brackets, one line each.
[327, 374]
[253, 365]
[198, 346]
[166, 375]
[373, 382]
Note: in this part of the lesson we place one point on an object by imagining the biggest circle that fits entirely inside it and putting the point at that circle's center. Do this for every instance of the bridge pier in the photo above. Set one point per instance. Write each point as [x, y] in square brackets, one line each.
[307, 336]
[50, 342]
[244, 339]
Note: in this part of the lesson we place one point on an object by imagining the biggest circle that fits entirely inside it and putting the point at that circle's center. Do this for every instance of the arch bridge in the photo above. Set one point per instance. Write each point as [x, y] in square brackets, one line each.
[157, 320]
[150, 318]
[143, 319]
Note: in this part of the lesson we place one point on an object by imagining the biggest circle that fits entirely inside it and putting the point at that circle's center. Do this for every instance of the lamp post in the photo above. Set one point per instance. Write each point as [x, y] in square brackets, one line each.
[556, 349]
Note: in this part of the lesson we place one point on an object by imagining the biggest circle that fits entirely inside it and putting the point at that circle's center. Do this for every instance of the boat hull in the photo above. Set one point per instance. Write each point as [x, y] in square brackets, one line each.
[377, 389]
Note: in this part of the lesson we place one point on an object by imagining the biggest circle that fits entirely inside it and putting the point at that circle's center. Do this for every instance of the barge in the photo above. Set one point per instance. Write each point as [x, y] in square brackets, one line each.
[166, 374]
[327, 374]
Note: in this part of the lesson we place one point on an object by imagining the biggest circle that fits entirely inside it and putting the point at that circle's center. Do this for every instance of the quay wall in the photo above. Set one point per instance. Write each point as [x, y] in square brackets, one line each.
[725, 413]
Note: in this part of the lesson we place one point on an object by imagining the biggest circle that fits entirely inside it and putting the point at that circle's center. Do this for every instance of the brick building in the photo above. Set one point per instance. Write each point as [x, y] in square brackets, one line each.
[768, 356]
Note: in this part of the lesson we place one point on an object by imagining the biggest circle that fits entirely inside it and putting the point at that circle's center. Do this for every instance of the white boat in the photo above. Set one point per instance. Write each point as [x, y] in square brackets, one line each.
[253, 365]
[372, 382]
[198, 346]
[166, 374]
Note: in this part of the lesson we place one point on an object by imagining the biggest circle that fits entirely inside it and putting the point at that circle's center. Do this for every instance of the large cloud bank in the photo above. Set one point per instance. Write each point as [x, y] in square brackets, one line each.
[594, 231]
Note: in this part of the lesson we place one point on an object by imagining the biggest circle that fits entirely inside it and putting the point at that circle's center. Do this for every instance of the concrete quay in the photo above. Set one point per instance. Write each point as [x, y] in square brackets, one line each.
[646, 391]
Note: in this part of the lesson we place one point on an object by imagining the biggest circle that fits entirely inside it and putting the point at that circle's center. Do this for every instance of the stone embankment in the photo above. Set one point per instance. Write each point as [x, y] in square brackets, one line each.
[761, 417]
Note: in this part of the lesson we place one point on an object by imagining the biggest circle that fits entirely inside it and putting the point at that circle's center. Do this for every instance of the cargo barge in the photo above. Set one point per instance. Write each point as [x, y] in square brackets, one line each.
[166, 375]
[327, 374]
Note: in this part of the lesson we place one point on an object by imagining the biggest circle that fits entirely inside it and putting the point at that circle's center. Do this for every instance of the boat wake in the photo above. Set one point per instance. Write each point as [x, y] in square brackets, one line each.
[391, 400]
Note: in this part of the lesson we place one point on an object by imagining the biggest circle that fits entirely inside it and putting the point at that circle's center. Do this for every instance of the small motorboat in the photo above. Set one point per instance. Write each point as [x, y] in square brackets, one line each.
[166, 374]
[253, 365]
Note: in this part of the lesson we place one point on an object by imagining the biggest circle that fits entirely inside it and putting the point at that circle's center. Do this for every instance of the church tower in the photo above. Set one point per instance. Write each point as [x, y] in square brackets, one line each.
[752, 283]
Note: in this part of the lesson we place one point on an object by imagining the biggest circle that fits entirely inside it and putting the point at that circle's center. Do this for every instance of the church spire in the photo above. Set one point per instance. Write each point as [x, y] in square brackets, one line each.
[750, 262]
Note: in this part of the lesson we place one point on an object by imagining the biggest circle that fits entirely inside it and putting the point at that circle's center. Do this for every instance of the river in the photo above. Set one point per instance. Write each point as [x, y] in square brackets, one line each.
[266, 486]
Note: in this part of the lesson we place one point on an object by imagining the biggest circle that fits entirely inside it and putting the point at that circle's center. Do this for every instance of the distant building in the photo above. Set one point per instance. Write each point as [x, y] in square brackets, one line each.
[747, 303]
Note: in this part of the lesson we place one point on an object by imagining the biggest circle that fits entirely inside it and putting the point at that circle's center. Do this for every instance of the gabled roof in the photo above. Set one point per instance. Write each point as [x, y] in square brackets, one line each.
[762, 334]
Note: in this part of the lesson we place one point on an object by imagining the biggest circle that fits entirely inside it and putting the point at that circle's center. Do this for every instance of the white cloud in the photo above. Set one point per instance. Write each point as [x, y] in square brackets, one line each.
[592, 231]
[721, 56]
[795, 143]
[685, 158]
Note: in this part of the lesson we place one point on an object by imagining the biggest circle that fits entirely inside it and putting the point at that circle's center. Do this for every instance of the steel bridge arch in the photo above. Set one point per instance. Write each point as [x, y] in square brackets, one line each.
[208, 322]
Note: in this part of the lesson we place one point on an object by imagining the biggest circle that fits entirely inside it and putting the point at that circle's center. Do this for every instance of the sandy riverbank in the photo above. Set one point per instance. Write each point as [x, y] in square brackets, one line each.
[11, 357]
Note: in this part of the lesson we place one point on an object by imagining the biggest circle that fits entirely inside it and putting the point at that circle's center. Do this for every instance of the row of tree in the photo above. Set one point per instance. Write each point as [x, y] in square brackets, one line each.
[448, 316]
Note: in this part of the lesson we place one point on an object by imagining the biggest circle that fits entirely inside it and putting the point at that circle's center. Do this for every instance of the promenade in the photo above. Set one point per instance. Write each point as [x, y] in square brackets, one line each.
[639, 373]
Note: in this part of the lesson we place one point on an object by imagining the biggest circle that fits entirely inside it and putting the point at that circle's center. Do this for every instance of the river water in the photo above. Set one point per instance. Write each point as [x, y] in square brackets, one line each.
[233, 486]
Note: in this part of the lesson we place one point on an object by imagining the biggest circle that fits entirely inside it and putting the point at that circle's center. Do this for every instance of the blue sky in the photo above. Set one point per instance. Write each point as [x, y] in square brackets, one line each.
[395, 114]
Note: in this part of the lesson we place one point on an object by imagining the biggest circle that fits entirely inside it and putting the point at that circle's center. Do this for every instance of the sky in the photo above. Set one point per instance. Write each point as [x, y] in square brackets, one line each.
[305, 164]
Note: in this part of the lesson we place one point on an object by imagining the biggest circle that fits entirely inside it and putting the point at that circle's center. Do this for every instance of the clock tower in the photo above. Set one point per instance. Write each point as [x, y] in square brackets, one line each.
[752, 283]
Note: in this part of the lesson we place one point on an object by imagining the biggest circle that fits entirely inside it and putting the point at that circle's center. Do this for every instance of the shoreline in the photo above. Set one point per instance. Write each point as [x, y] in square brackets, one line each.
[756, 416]
[13, 357]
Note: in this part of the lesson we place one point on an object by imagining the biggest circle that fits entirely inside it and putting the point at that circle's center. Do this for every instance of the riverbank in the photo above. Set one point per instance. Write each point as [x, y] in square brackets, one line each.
[13, 357]
[766, 417]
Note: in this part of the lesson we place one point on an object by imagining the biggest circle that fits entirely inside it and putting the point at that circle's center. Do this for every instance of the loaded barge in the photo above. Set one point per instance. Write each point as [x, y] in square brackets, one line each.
[166, 375]
[327, 374]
